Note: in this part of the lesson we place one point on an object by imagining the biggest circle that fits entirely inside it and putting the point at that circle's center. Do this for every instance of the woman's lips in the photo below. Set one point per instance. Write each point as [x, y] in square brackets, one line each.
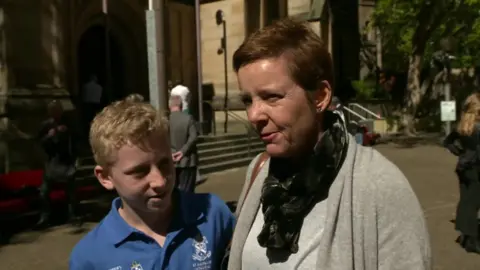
[268, 137]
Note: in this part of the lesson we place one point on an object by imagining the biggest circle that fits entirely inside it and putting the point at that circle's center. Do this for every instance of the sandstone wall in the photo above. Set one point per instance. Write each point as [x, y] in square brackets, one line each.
[212, 63]
[35, 43]
[296, 7]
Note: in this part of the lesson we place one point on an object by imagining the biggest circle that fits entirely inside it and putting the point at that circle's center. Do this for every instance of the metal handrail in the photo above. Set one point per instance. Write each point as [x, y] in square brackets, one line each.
[245, 123]
[350, 111]
[248, 127]
[365, 110]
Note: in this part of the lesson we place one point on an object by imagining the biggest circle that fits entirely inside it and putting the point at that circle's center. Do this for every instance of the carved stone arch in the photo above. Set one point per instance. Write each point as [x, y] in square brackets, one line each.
[88, 7]
[126, 24]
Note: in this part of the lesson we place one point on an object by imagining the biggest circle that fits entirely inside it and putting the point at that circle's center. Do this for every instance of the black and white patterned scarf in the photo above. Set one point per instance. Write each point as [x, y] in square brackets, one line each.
[290, 192]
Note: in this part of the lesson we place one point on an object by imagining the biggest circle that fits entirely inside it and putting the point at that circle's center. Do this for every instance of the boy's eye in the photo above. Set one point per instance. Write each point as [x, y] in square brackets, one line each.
[141, 172]
[163, 166]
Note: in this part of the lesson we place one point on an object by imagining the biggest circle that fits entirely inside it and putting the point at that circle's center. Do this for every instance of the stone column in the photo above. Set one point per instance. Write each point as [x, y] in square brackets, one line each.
[56, 46]
[262, 13]
[4, 161]
[3, 61]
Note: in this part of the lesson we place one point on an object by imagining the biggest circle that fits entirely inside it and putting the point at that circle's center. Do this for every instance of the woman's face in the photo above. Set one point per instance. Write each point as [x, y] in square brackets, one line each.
[279, 109]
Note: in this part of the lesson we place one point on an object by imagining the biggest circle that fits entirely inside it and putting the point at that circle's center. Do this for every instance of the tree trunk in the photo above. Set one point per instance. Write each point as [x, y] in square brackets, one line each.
[413, 94]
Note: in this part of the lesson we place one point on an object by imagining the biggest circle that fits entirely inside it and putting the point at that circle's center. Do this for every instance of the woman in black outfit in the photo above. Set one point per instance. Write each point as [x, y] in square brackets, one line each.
[464, 142]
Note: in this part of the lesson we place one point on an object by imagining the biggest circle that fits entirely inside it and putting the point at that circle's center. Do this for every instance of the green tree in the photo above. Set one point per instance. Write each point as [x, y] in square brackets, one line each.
[411, 31]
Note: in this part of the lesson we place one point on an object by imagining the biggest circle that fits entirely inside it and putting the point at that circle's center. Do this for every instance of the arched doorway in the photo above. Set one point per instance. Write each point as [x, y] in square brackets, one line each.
[92, 60]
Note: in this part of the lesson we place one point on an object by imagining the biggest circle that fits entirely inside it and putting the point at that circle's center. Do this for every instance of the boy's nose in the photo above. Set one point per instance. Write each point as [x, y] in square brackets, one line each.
[158, 180]
[158, 184]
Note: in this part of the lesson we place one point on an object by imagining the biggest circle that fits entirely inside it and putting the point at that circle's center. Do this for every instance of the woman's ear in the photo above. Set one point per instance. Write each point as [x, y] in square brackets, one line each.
[322, 96]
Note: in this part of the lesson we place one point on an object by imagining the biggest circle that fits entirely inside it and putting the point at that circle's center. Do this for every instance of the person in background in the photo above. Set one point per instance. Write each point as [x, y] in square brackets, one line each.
[315, 199]
[151, 225]
[169, 86]
[55, 136]
[464, 142]
[183, 139]
[359, 133]
[184, 93]
[135, 98]
[91, 97]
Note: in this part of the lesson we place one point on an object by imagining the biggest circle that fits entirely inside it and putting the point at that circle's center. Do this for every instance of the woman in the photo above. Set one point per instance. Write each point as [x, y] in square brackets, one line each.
[319, 200]
[464, 143]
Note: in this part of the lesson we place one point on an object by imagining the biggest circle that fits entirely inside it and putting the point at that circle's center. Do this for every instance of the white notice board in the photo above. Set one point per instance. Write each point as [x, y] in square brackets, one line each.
[448, 111]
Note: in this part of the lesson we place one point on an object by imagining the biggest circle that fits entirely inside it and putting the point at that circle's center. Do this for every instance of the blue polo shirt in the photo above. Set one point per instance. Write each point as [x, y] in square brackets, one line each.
[199, 233]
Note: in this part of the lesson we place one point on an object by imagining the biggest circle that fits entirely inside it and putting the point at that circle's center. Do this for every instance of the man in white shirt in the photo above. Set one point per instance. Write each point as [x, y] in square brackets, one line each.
[183, 92]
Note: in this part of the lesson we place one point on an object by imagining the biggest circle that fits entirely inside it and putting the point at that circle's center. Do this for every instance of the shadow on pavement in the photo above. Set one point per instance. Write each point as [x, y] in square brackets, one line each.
[22, 230]
[402, 141]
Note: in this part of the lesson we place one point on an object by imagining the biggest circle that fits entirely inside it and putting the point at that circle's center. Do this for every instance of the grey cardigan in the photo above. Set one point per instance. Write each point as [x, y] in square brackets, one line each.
[374, 220]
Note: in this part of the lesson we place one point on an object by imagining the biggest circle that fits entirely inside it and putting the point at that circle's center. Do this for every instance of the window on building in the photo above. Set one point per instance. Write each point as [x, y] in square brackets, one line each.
[259, 13]
[252, 16]
[274, 10]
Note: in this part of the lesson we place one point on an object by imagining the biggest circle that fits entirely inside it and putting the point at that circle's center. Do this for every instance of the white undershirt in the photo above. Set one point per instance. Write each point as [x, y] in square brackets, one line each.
[255, 257]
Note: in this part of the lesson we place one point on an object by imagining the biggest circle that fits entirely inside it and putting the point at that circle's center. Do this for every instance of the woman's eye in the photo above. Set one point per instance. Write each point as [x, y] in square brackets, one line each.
[273, 97]
[246, 101]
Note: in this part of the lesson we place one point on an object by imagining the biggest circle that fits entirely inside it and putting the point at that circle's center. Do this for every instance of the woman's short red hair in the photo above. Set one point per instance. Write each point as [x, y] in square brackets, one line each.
[308, 59]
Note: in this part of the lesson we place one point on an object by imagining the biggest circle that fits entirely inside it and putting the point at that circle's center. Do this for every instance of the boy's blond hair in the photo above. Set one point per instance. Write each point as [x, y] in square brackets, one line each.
[124, 122]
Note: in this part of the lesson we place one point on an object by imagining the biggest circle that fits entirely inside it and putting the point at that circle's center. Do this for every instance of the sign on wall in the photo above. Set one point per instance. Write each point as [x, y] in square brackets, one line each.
[448, 111]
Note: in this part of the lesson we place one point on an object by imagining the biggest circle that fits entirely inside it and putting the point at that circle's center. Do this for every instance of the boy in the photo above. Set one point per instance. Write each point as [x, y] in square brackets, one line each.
[151, 225]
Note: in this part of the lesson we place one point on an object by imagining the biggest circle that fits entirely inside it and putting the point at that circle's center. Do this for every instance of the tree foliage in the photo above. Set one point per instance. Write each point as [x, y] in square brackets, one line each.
[412, 30]
[399, 20]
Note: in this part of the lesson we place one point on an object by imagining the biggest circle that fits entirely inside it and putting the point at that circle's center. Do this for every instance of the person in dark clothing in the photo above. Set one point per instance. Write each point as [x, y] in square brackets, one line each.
[183, 139]
[464, 142]
[56, 139]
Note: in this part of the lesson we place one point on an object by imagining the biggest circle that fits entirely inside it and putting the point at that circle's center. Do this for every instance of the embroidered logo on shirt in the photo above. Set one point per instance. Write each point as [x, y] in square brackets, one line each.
[201, 252]
[136, 266]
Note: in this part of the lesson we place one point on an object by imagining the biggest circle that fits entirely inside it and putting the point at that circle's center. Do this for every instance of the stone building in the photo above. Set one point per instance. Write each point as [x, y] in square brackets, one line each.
[48, 48]
[338, 22]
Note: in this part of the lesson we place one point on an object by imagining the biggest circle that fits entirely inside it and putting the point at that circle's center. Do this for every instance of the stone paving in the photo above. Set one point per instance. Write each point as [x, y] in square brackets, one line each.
[429, 169]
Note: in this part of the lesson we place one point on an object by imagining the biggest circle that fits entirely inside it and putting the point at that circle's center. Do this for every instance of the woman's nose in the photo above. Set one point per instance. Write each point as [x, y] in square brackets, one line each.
[256, 113]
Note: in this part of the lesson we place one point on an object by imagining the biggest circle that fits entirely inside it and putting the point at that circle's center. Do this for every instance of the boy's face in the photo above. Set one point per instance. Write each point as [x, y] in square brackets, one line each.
[143, 179]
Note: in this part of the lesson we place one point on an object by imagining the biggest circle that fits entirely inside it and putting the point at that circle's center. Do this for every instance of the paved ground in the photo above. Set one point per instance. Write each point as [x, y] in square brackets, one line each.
[429, 169]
